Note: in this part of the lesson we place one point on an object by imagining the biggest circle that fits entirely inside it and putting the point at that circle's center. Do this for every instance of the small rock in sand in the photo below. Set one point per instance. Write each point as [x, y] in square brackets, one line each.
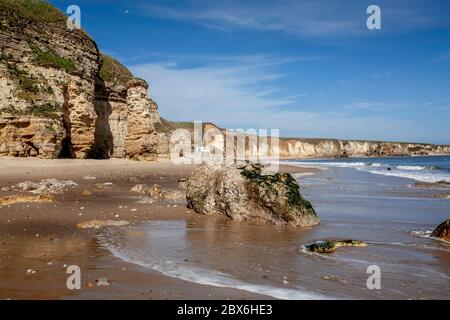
[103, 282]
[31, 271]
[329, 246]
[89, 178]
[42, 198]
[442, 231]
[154, 191]
[157, 193]
[334, 278]
[146, 200]
[97, 224]
[45, 186]
[182, 183]
[442, 196]
[86, 193]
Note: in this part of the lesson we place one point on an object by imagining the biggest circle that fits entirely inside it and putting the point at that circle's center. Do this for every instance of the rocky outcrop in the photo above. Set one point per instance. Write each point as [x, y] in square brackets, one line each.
[329, 246]
[442, 231]
[43, 187]
[47, 77]
[245, 193]
[22, 136]
[59, 96]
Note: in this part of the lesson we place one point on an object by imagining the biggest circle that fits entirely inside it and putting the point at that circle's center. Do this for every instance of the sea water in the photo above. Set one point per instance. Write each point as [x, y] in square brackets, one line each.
[385, 210]
[425, 169]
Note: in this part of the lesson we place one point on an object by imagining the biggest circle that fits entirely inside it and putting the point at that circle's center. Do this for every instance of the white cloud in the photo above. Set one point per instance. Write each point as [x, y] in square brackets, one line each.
[306, 17]
[246, 96]
[210, 92]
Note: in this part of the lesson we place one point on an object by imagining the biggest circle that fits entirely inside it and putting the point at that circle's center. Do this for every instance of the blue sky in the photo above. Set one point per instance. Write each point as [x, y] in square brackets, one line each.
[309, 68]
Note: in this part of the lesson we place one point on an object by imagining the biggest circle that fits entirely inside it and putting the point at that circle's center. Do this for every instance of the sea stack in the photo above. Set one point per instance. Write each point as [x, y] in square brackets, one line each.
[243, 192]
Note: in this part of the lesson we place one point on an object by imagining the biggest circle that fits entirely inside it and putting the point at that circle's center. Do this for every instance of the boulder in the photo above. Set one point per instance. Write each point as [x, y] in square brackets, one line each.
[442, 231]
[244, 192]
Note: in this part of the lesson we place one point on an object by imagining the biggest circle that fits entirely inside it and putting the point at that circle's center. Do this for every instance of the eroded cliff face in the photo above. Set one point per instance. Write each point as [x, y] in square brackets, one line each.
[126, 116]
[141, 139]
[47, 75]
[303, 148]
[60, 97]
[329, 148]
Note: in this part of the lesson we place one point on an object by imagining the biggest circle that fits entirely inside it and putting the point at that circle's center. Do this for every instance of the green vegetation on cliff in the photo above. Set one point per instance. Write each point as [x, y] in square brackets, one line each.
[48, 110]
[114, 72]
[32, 10]
[51, 59]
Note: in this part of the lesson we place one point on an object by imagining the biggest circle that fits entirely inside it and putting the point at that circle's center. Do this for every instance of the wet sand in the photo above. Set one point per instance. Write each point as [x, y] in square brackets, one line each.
[39, 240]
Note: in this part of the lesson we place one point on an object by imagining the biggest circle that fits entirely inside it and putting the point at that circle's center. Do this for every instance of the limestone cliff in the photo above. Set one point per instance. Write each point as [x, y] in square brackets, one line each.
[304, 148]
[126, 115]
[59, 96]
[296, 148]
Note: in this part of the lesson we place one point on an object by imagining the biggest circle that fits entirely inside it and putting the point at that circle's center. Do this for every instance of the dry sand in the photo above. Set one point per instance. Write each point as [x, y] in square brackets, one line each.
[39, 240]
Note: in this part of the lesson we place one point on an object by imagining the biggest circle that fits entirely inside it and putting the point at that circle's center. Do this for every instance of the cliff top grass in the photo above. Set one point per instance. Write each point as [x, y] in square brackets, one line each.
[114, 72]
[33, 10]
[26, 13]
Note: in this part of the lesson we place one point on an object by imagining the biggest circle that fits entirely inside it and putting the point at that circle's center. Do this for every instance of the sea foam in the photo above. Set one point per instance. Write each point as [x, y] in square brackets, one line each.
[199, 275]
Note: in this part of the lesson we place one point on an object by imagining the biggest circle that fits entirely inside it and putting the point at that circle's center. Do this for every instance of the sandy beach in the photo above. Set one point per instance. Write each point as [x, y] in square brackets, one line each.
[170, 252]
[39, 240]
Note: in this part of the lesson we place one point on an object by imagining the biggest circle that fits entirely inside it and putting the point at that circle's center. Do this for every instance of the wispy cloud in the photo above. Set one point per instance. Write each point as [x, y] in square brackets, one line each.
[444, 56]
[246, 95]
[212, 91]
[386, 74]
[253, 60]
[308, 17]
[369, 106]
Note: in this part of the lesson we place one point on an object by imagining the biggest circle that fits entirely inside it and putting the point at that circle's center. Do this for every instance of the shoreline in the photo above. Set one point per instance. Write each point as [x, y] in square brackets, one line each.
[365, 157]
[44, 238]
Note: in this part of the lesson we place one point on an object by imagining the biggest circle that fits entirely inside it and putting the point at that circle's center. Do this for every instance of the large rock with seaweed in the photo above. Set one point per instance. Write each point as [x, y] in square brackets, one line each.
[442, 231]
[329, 246]
[244, 192]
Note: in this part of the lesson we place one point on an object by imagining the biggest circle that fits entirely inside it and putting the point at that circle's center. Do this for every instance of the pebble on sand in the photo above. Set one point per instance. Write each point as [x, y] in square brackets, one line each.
[97, 224]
